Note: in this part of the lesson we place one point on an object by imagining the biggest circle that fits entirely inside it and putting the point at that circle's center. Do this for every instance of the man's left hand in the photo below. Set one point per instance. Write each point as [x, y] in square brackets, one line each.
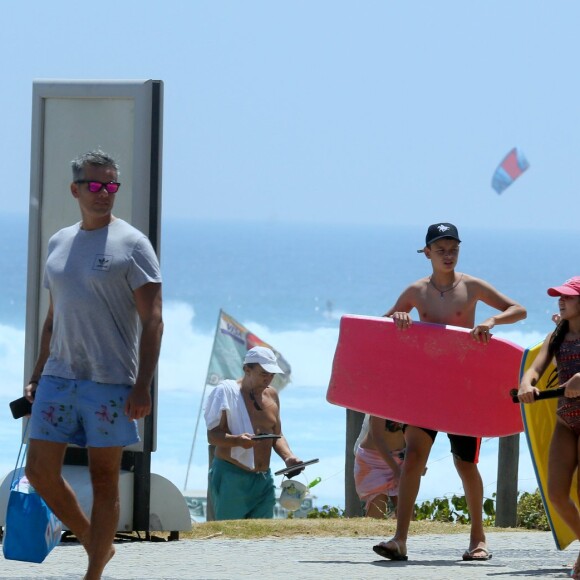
[293, 460]
[138, 403]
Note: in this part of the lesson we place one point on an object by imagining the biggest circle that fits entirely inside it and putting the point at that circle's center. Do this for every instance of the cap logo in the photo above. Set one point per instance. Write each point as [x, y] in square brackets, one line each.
[443, 228]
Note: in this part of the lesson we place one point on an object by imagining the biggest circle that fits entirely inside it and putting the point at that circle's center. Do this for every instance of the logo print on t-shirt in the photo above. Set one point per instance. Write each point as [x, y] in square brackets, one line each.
[102, 262]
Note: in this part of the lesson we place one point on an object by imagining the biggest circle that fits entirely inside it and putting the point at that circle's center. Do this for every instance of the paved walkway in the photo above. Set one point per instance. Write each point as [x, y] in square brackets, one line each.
[437, 557]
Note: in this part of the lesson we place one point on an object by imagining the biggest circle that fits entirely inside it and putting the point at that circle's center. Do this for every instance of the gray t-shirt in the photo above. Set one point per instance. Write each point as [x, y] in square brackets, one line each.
[91, 276]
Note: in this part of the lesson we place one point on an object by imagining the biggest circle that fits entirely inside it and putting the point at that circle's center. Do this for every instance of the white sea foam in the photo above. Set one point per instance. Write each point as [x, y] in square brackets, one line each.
[11, 359]
[525, 339]
[186, 351]
[313, 427]
[310, 353]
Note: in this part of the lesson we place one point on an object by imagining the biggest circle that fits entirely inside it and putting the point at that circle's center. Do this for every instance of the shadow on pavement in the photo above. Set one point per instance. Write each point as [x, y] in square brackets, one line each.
[535, 573]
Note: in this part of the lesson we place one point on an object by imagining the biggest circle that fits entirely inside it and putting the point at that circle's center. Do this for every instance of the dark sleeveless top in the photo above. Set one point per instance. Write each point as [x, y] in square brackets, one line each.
[568, 360]
[568, 364]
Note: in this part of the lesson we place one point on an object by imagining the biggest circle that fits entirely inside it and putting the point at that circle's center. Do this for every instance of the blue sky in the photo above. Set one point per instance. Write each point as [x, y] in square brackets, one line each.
[373, 112]
[383, 112]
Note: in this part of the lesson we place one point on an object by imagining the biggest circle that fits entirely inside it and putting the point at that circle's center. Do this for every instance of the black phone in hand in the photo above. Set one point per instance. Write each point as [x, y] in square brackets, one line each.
[21, 407]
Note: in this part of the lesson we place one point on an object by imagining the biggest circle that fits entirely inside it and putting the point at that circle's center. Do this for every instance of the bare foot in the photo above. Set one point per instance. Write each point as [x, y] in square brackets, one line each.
[93, 574]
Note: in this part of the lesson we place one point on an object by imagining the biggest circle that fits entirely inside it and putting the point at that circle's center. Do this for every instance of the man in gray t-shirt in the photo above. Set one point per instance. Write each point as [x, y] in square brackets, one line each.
[98, 351]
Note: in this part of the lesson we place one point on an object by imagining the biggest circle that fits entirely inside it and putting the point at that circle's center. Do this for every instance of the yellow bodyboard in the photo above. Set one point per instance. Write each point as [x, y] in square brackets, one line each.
[539, 421]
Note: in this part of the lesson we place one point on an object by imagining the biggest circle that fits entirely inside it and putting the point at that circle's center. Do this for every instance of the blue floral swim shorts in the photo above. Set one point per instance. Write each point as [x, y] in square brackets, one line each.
[85, 413]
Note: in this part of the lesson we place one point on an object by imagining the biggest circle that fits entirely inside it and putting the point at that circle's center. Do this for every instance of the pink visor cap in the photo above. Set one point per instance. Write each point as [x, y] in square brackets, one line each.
[570, 288]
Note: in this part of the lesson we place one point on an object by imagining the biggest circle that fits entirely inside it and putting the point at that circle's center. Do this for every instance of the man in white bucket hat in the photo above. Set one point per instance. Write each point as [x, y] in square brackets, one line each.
[240, 481]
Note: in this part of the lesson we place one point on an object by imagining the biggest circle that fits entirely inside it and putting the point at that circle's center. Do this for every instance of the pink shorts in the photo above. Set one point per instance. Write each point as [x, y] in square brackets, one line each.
[373, 476]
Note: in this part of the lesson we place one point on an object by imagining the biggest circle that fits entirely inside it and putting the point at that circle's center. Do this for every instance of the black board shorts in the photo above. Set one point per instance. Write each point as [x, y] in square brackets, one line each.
[465, 447]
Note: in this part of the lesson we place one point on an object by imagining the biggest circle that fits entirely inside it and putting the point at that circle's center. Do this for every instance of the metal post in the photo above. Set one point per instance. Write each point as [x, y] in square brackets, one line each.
[142, 474]
[507, 482]
[142, 491]
[353, 505]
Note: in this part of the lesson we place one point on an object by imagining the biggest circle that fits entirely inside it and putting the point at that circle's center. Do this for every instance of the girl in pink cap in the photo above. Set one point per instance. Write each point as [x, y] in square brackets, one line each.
[563, 344]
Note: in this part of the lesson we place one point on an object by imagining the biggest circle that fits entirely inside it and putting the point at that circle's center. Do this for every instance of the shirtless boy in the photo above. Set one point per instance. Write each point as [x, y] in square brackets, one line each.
[445, 297]
[240, 480]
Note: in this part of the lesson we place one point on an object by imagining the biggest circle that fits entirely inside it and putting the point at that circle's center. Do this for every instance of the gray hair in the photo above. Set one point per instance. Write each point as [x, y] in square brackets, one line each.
[96, 157]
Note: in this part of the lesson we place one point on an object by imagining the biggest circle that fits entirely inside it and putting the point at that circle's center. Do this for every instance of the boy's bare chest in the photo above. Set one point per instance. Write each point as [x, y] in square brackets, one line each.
[455, 307]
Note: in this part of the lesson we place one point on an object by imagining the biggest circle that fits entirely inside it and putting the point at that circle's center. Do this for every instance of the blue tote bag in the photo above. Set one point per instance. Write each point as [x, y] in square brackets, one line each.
[32, 530]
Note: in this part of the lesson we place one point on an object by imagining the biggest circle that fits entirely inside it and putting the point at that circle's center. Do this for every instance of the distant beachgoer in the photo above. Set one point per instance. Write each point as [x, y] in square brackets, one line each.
[379, 453]
[98, 351]
[445, 297]
[563, 343]
[240, 480]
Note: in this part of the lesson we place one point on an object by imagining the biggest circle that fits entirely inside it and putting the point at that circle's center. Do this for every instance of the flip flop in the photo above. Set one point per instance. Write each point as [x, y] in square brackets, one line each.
[390, 553]
[469, 557]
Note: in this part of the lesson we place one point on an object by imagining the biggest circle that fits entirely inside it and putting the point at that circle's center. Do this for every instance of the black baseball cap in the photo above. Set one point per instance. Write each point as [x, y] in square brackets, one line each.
[438, 231]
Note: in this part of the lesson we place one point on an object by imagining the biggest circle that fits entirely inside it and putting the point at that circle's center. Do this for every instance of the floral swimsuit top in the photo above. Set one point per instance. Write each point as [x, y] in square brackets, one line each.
[568, 360]
[568, 363]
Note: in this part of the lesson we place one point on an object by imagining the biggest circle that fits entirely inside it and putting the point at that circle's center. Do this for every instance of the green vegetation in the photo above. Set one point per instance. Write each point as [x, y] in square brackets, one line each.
[531, 513]
[326, 512]
[440, 516]
[453, 510]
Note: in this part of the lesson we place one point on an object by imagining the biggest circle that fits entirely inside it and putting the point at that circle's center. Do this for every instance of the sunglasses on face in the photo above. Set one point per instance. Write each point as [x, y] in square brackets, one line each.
[97, 186]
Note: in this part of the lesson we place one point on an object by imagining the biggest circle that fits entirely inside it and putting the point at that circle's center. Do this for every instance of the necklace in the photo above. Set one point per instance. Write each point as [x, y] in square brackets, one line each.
[443, 292]
[253, 399]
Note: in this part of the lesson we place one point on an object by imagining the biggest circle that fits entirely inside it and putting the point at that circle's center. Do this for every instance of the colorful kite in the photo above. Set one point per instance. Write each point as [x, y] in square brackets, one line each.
[511, 167]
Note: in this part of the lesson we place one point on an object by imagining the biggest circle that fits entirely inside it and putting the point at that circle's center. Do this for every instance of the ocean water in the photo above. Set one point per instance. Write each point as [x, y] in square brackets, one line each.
[290, 284]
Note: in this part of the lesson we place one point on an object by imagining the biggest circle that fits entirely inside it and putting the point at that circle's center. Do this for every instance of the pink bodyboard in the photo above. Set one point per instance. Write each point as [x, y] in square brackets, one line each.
[431, 375]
